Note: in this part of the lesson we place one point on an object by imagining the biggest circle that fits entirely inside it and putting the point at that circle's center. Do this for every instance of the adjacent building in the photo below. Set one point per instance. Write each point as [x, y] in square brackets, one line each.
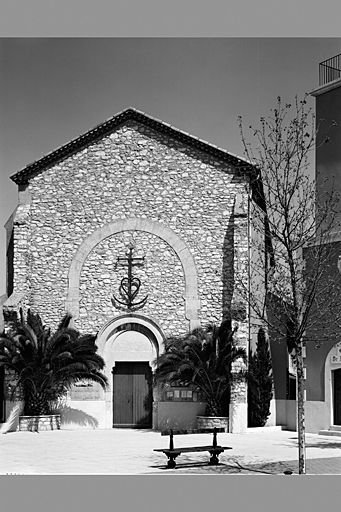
[323, 382]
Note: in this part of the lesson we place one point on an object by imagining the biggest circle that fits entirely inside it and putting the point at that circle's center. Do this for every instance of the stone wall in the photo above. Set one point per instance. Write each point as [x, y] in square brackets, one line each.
[101, 276]
[134, 172]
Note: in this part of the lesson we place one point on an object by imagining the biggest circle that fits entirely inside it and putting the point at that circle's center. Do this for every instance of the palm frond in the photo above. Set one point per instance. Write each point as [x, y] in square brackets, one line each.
[65, 322]
[45, 364]
[203, 358]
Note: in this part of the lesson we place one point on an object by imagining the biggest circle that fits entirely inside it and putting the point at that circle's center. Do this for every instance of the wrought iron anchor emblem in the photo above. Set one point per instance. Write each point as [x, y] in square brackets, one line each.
[129, 286]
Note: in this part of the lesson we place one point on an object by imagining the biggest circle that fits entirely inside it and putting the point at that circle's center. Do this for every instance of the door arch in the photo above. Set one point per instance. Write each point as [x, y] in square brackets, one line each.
[129, 345]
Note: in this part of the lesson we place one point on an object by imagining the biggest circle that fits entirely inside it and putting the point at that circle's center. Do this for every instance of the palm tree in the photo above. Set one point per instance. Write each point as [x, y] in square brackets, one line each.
[204, 359]
[46, 364]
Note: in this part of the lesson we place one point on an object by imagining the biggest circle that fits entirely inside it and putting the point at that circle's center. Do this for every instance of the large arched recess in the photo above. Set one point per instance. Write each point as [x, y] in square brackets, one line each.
[192, 302]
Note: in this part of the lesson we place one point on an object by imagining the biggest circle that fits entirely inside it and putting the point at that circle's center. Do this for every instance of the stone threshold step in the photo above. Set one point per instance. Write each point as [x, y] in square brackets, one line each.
[272, 428]
[330, 433]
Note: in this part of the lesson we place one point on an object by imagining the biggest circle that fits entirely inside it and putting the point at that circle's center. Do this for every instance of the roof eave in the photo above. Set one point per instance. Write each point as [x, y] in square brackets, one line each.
[75, 145]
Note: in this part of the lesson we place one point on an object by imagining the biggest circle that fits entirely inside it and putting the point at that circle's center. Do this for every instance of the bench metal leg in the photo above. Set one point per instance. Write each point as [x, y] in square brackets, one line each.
[171, 461]
[214, 460]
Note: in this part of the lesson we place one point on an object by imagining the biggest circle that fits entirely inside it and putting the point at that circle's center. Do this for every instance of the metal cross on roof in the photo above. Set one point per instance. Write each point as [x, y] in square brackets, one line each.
[130, 286]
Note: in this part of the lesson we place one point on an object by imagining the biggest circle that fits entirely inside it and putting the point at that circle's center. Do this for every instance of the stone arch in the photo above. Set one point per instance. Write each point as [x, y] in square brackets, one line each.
[329, 367]
[106, 339]
[139, 323]
[192, 302]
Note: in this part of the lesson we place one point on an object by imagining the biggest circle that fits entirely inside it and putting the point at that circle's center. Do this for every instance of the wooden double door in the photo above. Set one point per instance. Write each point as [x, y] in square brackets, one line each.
[132, 395]
[337, 397]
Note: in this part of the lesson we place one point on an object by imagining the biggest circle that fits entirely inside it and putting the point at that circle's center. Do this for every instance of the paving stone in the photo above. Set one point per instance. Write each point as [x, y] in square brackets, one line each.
[125, 451]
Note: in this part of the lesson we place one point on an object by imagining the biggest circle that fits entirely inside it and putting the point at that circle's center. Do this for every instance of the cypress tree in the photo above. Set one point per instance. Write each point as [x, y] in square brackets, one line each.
[260, 383]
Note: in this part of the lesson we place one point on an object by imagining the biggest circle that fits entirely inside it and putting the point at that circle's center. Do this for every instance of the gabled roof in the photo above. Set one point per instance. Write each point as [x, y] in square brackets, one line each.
[81, 142]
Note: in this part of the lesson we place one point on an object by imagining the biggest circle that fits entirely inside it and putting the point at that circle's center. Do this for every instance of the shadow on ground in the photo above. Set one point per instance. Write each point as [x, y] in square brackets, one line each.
[70, 415]
[233, 467]
[323, 443]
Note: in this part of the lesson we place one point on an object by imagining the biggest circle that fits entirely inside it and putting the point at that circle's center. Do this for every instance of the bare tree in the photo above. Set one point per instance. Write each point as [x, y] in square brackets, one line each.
[294, 286]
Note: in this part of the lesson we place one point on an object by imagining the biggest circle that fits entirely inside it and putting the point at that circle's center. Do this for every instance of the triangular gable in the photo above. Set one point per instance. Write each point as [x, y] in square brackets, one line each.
[22, 177]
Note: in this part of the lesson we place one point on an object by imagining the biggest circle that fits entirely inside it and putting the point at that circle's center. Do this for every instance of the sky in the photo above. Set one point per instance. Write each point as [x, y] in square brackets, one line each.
[54, 89]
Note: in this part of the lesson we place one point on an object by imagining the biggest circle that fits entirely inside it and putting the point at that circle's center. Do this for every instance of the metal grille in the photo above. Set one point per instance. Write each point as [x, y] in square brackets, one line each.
[330, 70]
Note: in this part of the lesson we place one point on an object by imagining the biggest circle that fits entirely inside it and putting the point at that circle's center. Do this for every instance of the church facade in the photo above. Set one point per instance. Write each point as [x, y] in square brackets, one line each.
[136, 229]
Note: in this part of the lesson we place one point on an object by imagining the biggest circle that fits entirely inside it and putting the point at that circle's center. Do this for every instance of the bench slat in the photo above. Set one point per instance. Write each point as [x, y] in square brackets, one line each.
[167, 432]
[193, 449]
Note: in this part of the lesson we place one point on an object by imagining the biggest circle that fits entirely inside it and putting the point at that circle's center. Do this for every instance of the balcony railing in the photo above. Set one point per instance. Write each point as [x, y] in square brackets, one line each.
[330, 70]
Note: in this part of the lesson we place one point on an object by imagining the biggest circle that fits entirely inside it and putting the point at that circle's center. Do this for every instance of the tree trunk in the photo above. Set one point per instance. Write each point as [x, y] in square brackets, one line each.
[213, 407]
[35, 405]
[300, 412]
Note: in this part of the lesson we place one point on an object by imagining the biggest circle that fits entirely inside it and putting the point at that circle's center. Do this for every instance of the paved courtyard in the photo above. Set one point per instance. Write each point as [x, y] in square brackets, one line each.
[130, 452]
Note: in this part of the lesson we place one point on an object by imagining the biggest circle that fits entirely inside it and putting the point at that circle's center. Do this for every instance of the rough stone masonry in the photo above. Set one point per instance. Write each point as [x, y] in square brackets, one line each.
[133, 172]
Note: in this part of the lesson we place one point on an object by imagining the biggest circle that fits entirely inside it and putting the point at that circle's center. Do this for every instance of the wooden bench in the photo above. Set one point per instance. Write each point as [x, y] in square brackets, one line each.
[215, 450]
